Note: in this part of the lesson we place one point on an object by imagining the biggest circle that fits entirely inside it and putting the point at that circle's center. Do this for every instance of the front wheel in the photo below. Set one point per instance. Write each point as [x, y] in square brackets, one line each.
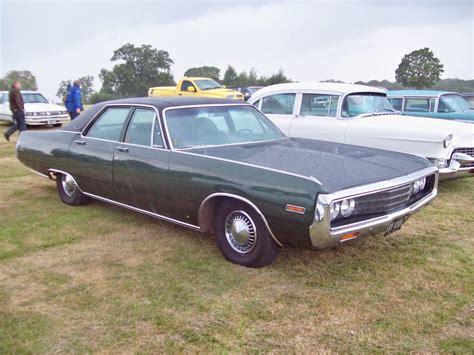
[69, 191]
[242, 236]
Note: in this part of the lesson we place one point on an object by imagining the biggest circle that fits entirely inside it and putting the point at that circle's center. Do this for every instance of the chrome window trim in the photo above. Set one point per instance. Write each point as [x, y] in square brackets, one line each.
[243, 199]
[172, 148]
[131, 106]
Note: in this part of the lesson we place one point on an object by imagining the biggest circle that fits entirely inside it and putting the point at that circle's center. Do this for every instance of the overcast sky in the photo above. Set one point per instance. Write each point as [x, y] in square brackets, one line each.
[347, 40]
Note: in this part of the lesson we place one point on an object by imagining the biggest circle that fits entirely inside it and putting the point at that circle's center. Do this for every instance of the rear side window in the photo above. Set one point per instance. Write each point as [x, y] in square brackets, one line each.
[417, 105]
[281, 104]
[140, 127]
[319, 105]
[110, 124]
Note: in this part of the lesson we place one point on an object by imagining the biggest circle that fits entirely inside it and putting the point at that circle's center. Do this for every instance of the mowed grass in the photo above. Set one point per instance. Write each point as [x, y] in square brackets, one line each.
[103, 279]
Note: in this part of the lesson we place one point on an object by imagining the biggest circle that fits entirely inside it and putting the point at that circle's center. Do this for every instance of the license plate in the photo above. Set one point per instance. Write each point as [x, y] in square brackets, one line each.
[51, 121]
[395, 225]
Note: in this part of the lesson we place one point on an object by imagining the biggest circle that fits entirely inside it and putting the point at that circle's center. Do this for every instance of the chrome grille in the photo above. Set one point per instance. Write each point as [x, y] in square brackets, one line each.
[468, 151]
[376, 204]
[384, 201]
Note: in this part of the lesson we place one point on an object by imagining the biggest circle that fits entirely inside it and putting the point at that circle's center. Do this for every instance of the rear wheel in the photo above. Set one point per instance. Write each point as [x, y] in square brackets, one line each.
[69, 191]
[242, 236]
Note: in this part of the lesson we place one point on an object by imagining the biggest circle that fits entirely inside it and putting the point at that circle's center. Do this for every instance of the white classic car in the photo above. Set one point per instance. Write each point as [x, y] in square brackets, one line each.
[362, 115]
[38, 110]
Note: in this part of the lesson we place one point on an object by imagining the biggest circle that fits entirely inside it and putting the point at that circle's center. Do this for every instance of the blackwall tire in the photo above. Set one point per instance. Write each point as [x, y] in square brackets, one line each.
[69, 192]
[242, 236]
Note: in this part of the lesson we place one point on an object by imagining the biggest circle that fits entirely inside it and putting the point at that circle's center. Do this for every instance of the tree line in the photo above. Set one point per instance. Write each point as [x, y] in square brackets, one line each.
[138, 68]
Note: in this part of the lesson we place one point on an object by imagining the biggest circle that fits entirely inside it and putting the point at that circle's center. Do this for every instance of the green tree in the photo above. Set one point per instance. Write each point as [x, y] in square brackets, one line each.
[419, 69]
[276, 78]
[25, 77]
[87, 88]
[206, 71]
[141, 68]
[230, 76]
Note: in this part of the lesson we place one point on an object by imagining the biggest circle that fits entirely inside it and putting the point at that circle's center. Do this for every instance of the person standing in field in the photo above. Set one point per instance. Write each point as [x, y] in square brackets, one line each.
[17, 108]
[74, 100]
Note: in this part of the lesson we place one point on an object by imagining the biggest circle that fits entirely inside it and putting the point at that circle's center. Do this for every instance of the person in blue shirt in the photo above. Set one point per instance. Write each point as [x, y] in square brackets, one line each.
[74, 100]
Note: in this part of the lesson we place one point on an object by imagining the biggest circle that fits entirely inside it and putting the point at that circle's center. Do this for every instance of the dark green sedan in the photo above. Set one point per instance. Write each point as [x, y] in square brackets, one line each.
[223, 168]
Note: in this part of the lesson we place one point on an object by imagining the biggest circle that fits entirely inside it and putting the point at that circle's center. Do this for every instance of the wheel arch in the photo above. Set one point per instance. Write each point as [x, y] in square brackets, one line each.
[209, 204]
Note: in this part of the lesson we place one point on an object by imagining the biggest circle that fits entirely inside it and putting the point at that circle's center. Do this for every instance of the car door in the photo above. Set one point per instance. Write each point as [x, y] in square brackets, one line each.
[92, 153]
[141, 163]
[316, 118]
[280, 108]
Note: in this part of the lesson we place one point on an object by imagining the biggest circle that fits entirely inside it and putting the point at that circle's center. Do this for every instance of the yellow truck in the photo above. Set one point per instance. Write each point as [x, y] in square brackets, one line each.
[196, 86]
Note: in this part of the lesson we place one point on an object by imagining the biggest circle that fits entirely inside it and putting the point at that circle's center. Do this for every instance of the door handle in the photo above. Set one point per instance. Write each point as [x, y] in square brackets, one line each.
[79, 142]
[122, 149]
[180, 94]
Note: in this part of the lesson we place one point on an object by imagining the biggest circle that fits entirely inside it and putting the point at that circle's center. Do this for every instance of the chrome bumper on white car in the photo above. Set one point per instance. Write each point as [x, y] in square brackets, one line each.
[45, 120]
[460, 165]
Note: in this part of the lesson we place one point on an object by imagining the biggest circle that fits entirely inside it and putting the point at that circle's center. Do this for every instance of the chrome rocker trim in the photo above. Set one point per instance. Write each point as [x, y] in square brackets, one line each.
[323, 236]
[52, 172]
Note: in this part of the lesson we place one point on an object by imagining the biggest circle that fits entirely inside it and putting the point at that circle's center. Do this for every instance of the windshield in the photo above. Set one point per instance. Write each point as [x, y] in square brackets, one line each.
[452, 103]
[361, 103]
[254, 89]
[34, 98]
[207, 84]
[217, 125]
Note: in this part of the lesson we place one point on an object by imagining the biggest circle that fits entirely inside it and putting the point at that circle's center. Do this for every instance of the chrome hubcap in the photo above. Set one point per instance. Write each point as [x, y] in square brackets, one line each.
[69, 185]
[240, 232]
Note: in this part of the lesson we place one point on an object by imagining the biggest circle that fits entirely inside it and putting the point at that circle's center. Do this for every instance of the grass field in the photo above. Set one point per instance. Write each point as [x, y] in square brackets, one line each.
[103, 279]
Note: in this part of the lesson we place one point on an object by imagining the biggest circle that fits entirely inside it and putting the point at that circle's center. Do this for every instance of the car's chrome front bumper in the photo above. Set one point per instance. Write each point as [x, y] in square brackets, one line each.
[323, 236]
[45, 120]
[457, 167]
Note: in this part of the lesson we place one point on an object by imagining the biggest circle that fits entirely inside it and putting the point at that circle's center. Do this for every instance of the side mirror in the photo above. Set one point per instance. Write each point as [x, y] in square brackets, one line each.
[191, 89]
[247, 94]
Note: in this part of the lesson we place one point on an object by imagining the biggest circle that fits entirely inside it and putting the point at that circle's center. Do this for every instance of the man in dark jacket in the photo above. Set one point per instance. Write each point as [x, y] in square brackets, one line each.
[74, 100]
[18, 110]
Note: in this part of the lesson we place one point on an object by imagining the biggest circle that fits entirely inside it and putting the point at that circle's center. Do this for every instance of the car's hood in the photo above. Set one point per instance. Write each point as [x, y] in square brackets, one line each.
[39, 107]
[336, 166]
[411, 128]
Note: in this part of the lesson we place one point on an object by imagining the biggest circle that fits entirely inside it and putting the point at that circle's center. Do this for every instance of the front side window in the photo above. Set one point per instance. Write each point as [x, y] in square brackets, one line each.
[140, 127]
[218, 125]
[413, 104]
[452, 103]
[110, 124]
[365, 103]
[280, 104]
[319, 105]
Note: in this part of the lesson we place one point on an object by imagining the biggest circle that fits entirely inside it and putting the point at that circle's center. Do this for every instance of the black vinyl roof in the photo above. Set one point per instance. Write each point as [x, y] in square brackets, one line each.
[171, 101]
[160, 103]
